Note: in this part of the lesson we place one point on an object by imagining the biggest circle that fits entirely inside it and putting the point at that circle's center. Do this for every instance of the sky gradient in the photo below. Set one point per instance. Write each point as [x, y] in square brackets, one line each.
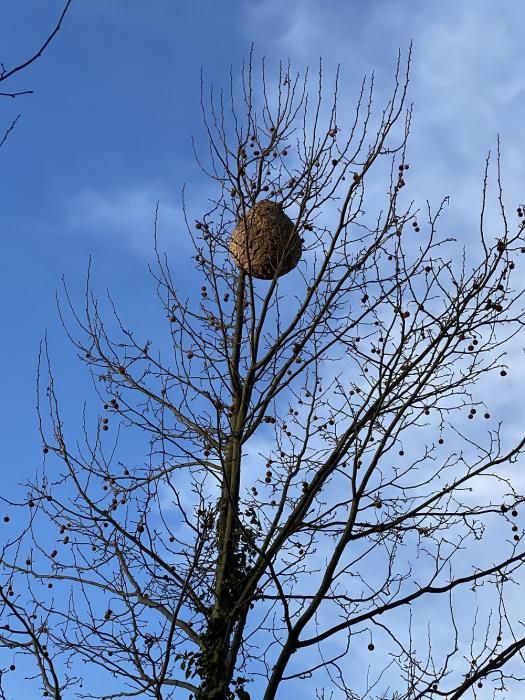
[108, 133]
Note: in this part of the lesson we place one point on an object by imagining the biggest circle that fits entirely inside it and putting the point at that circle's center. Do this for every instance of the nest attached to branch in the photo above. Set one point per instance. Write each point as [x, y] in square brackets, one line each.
[264, 242]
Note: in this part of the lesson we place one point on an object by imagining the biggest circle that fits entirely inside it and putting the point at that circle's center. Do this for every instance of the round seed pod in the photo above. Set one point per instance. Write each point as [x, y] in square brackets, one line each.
[264, 243]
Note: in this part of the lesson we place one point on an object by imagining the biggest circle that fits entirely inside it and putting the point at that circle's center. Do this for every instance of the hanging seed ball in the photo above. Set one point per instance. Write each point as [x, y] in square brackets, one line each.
[265, 240]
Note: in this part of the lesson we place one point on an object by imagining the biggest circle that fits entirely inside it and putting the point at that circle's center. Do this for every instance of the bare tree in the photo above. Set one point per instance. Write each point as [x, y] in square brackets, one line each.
[297, 478]
[8, 74]
[23, 636]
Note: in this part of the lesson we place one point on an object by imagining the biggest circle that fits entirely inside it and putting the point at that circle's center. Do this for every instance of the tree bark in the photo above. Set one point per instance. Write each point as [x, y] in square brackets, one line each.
[214, 669]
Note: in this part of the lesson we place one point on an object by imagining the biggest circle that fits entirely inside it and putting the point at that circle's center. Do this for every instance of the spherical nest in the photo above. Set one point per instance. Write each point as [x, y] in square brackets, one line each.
[264, 242]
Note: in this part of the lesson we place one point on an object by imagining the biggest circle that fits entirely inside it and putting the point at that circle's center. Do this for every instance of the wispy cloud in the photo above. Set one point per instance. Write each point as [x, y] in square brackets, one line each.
[467, 87]
[125, 218]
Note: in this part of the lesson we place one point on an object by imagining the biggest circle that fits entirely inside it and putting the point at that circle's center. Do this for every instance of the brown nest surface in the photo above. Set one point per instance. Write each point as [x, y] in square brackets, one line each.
[264, 242]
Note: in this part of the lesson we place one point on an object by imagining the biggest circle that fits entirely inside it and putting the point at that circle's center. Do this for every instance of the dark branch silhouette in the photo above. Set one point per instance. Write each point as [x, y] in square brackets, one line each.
[301, 478]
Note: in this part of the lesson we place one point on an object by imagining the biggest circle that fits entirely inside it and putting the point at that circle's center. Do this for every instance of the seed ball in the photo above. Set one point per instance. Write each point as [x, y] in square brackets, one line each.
[371, 647]
[50, 585]
[6, 518]
[441, 441]
[487, 415]
[514, 513]
[516, 538]
[503, 373]
[12, 667]
[45, 450]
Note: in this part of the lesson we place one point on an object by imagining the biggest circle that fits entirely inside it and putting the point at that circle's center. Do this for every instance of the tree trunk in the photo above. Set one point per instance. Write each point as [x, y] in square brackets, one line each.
[215, 668]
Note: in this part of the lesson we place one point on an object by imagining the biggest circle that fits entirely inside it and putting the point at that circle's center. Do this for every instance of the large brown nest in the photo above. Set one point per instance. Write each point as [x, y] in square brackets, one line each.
[264, 242]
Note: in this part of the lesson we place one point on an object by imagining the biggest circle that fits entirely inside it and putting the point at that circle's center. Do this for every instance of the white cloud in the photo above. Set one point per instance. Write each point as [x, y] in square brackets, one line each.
[467, 86]
[125, 217]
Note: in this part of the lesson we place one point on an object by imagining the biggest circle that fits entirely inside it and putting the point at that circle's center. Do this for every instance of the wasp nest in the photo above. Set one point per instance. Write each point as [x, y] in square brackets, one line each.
[264, 243]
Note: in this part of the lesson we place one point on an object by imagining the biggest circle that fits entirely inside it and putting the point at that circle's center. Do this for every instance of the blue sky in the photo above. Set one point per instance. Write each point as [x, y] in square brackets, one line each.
[107, 134]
